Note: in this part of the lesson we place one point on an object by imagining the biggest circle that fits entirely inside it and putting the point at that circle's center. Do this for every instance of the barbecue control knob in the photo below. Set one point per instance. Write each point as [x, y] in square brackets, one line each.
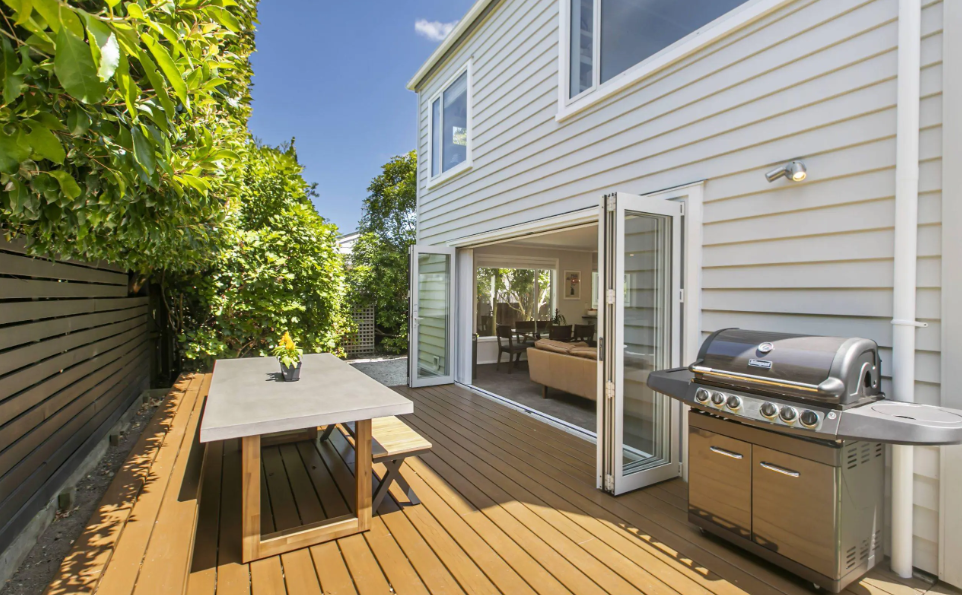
[734, 402]
[769, 410]
[788, 414]
[809, 419]
[702, 395]
[718, 398]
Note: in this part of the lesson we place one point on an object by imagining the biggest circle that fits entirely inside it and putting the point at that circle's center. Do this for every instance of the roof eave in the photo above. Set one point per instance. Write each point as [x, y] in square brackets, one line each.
[463, 25]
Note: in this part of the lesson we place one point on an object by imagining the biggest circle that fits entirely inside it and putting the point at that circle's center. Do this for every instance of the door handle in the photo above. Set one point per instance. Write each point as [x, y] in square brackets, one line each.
[726, 453]
[778, 469]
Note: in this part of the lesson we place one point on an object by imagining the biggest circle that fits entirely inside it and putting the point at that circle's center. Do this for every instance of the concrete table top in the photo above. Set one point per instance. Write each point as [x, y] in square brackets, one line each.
[247, 397]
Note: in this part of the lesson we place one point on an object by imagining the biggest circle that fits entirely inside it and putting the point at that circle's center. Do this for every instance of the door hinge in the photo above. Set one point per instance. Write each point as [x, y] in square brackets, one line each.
[682, 207]
[609, 390]
[610, 296]
[681, 295]
[609, 483]
[611, 202]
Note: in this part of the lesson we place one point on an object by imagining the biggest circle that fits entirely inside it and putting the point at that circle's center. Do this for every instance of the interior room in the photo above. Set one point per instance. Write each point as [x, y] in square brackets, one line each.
[535, 314]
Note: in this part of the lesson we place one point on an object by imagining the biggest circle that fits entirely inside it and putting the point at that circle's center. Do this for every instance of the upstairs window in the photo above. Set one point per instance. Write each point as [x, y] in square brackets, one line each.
[450, 123]
[609, 37]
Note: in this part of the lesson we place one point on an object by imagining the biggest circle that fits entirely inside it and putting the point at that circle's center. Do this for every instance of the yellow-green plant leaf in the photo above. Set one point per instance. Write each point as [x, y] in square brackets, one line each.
[168, 66]
[224, 17]
[68, 185]
[135, 11]
[26, 9]
[12, 151]
[157, 82]
[103, 47]
[50, 11]
[44, 143]
[75, 68]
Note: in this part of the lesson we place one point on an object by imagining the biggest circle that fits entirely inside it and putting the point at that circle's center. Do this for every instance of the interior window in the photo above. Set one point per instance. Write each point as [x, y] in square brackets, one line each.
[631, 32]
[449, 125]
[508, 295]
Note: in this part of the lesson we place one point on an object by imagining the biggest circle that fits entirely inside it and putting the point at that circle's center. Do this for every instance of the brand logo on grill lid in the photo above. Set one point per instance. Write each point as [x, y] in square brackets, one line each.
[765, 347]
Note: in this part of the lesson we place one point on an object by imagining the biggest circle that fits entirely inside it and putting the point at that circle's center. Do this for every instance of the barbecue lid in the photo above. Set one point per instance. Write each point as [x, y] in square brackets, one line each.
[837, 370]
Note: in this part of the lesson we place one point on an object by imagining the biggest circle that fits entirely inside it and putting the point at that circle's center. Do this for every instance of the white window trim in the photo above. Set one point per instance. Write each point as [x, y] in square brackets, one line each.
[468, 163]
[717, 29]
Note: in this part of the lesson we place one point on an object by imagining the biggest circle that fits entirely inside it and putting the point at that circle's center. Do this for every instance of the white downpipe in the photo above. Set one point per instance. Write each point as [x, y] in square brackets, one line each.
[906, 253]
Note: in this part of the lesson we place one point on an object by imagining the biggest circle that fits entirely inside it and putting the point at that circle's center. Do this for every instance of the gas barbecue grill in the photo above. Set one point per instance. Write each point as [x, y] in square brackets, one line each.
[786, 449]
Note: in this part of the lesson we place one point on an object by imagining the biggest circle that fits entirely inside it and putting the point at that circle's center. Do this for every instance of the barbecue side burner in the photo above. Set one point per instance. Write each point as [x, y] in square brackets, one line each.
[785, 453]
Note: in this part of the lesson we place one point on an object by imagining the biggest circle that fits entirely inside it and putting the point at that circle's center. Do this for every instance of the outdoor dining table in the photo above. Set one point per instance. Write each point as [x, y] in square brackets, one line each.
[249, 400]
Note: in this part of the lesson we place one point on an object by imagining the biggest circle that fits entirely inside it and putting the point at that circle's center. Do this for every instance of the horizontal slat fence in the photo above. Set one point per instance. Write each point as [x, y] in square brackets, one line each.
[74, 354]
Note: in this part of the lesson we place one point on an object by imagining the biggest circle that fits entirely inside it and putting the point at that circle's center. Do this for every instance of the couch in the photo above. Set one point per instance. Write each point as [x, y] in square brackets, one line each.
[568, 367]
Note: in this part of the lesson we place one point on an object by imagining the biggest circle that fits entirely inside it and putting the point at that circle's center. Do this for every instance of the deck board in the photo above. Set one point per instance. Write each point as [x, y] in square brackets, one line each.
[508, 505]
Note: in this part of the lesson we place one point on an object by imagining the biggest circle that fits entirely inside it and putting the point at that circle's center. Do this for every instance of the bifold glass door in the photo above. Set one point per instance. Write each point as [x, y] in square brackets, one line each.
[431, 325]
[640, 269]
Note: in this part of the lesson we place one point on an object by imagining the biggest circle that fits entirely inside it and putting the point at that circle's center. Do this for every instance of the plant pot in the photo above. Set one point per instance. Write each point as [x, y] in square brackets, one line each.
[291, 373]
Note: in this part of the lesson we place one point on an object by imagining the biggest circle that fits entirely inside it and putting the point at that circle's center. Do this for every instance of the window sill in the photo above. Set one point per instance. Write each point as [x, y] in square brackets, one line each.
[673, 53]
[449, 175]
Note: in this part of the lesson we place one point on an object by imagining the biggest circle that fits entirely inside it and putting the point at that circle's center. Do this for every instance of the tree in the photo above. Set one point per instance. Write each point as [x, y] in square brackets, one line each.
[379, 261]
[280, 271]
[121, 126]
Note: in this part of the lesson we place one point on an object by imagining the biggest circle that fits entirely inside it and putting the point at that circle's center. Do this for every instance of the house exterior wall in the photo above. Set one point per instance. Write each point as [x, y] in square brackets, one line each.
[815, 79]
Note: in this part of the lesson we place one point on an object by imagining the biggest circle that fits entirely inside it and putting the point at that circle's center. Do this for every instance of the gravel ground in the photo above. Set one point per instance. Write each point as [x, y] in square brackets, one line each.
[389, 371]
[44, 559]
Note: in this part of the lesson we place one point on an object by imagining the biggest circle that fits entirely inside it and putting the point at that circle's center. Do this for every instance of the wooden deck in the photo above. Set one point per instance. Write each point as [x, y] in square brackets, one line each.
[508, 506]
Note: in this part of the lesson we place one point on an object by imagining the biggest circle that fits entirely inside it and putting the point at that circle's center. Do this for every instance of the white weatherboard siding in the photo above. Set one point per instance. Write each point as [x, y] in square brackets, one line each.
[816, 80]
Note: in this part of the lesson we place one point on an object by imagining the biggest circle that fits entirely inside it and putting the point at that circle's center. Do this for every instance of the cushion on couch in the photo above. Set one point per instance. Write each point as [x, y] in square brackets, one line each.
[585, 352]
[557, 346]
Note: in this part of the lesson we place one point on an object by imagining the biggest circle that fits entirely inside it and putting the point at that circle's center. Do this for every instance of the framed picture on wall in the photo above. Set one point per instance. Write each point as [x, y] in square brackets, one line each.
[572, 286]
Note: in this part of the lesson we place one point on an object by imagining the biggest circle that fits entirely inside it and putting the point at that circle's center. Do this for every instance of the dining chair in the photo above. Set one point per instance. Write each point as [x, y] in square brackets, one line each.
[560, 333]
[507, 345]
[584, 332]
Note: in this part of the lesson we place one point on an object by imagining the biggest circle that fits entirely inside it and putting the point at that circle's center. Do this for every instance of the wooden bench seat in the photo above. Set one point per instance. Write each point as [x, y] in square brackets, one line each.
[392, 441]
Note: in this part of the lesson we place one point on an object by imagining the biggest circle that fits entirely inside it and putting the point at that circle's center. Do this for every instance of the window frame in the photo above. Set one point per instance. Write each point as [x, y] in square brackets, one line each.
[468, 163]
[724, 25]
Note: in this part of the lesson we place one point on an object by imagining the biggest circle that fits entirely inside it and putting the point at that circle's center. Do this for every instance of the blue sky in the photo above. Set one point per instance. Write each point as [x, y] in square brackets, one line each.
[332, 74]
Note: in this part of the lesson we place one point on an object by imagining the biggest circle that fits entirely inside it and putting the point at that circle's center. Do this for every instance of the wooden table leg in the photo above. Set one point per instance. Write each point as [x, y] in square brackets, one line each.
[256, 546]
[362, 471]
[251, 497]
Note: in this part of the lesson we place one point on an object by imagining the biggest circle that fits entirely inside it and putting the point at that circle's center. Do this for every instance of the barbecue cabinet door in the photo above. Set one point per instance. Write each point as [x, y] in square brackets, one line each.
[720, 480]
[431, 323]
[639, 327]
[794, 508]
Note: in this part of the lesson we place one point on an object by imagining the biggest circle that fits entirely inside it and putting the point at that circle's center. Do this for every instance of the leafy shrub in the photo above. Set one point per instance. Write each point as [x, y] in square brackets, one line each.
[378, 274]
[121, 125]
[280, 271]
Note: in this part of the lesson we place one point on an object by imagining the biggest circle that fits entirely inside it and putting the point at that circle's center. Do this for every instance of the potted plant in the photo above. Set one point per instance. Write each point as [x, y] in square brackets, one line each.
[289, 357]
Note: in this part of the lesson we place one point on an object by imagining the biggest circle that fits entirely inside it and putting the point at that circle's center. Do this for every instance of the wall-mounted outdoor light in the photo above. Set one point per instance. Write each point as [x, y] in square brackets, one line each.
[794, 171]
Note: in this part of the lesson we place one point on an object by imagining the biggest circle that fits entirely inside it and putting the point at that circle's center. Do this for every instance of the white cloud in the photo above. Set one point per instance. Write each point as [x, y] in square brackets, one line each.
[433, 30]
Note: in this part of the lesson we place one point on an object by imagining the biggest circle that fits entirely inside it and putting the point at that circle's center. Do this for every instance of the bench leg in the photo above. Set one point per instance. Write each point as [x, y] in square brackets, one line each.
[327, 432]
[407, 489]
[392, 473]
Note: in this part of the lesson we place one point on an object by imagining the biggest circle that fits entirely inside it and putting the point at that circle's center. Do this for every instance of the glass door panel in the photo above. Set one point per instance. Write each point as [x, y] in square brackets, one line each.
[431, 328]
[647, 321]
[640, 274]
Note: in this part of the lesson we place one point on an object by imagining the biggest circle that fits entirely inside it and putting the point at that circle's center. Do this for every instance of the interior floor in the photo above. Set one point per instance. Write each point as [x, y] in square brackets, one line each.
[518, 387]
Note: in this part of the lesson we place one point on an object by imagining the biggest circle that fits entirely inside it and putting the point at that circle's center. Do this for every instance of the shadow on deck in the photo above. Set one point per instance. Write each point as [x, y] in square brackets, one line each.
[508, 506]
